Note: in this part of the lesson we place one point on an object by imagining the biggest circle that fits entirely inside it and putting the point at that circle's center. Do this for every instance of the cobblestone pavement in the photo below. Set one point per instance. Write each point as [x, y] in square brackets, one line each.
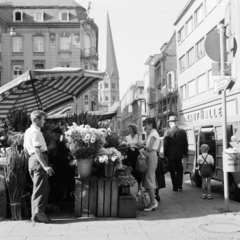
[181, 215]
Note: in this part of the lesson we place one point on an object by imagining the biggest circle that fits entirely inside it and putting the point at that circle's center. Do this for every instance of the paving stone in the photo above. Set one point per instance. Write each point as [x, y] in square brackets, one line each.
[13, 238]
[19, 231]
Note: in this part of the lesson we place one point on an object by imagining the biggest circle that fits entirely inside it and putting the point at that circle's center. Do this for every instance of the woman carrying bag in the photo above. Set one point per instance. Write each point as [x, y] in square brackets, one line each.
[151, 148]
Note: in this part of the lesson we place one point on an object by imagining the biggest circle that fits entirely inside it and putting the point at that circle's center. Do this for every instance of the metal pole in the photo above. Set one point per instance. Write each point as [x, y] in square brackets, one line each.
[224, 118]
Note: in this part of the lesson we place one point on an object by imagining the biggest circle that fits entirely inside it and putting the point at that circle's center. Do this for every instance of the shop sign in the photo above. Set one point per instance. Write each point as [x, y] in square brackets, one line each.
[231, 162]
[204, 114]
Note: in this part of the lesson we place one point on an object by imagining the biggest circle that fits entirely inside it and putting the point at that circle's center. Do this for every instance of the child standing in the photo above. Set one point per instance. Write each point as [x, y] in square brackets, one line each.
[205, 162]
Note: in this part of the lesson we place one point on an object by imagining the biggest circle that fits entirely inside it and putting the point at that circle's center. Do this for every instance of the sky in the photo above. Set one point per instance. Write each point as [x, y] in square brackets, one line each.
[139, 28]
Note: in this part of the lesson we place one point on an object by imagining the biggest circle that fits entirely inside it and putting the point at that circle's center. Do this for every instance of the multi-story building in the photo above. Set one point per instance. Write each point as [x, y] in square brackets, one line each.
[199, 100]
[139, 106]
[48, 34]
[109, 87]
[166, 82]
[133, 106]
[150, 87]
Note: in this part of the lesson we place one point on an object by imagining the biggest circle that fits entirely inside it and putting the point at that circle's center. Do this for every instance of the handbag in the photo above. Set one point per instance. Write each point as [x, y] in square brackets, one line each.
[163, 165]
[141, 164]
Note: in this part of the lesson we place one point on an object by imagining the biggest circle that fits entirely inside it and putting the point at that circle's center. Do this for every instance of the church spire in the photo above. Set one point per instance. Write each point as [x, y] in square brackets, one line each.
[111, 64]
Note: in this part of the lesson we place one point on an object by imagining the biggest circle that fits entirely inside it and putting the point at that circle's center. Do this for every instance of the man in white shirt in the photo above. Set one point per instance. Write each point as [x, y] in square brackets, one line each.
[38, 166]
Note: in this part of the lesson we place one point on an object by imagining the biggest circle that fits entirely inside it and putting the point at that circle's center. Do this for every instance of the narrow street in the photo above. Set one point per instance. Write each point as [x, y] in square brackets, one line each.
[182, 215]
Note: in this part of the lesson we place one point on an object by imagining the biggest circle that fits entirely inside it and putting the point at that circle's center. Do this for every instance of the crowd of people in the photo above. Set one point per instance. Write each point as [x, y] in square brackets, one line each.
[49, 156]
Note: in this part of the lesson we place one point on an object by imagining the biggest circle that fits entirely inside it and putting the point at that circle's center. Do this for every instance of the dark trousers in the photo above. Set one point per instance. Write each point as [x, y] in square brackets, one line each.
[176, 172]
[40, 185]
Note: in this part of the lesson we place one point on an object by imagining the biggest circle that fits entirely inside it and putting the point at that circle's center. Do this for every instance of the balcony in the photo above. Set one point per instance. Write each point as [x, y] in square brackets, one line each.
[167, 91]
[88, 52]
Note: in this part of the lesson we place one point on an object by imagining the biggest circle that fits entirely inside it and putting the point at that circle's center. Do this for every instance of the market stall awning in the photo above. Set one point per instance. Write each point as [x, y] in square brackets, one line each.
[102, 115]
[46, 89]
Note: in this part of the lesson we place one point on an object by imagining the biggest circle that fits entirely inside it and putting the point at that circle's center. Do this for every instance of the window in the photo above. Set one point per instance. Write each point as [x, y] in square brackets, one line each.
[106, 98]
[106, 85]
[86, 99]
[190, 57]
[38, 16]
[65, 44]
[159, 71]
[191, 88]
[181, 35]
[87, 44]
[64, 16]
[141, 90]
[17, 71]
[113, 85]
[210, 4]
[18, 16]
[114, 98]
[199, 15]
[211, 80]
[100, 86]
[39, 66]
[182, 63]
[200, 51]
[119, 125]
[17, 44]
[202, 84]
[38, 44]
[189, 26]
[183, 92]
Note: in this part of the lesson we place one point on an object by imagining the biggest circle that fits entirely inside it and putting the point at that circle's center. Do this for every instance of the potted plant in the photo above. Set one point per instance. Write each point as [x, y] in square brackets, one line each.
[111, 158]
[125, 180]
[84, 143]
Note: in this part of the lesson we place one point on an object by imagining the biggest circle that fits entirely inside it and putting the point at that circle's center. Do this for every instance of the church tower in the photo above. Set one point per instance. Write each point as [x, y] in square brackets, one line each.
[109, 87]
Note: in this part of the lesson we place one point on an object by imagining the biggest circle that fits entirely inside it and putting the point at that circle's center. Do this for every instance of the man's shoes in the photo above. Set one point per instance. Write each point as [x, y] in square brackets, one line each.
[40, 218]
[180, 188]
[175, 190]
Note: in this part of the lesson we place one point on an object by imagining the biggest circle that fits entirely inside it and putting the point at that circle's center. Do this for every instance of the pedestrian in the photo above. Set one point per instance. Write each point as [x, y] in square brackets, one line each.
[38, 166]
[205, 162]
[175, 149]
[134, 140]
[151, 148]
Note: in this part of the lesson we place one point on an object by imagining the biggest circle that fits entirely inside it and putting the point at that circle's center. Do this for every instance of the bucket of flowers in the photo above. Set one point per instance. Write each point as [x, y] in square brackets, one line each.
[84, 144]
[111, 158]
[125, 180]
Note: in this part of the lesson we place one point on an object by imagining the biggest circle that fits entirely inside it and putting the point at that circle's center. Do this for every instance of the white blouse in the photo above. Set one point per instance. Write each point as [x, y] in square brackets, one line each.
[156, 143]
[135, 141]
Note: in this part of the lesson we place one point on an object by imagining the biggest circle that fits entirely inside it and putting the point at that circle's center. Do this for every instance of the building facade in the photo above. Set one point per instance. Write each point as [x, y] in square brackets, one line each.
[150, 87]
[109, 87]
[48, 34]
[199, 100]
[133, 107]
[166, 82]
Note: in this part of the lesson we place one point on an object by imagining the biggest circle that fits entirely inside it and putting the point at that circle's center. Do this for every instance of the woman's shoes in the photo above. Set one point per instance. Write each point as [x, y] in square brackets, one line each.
[153, 208]
[158, 198]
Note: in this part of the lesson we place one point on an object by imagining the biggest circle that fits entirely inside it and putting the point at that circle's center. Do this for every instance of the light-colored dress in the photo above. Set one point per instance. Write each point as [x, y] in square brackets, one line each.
[149, 179]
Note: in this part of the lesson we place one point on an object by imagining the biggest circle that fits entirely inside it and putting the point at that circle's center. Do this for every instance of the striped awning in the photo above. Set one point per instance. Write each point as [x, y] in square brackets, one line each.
[46, 89]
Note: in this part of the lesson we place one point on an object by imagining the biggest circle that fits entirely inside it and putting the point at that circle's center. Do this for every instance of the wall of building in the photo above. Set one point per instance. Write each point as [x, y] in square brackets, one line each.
[201, 102]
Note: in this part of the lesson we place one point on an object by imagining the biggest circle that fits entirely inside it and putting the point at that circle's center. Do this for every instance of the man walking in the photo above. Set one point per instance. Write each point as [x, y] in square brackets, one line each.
[38, 167]
[175, 149]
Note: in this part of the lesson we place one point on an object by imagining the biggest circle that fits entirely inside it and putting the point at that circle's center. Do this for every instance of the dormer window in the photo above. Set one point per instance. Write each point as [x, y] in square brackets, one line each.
[18, 16]
[64, 16]
[38, 16]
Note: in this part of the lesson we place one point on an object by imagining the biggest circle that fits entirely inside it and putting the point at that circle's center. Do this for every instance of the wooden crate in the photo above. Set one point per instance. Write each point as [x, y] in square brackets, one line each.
[107, 197]
[96, 198]
[86, 197]
[127, 207]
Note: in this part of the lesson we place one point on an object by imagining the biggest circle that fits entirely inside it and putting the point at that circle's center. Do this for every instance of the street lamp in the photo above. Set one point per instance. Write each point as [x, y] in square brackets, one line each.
[12, 32]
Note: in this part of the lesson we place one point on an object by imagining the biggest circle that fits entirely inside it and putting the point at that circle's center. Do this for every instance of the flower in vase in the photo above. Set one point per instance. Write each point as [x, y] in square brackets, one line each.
[93, 139]
[114, 158]
[105, 158]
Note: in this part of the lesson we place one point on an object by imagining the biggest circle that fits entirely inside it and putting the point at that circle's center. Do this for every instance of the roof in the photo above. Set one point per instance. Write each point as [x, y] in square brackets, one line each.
[111, 64]
[41, 3]
[185, 9]
[154, 57]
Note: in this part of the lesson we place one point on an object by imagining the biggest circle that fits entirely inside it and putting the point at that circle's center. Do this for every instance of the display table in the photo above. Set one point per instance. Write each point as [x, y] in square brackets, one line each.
[96, 197]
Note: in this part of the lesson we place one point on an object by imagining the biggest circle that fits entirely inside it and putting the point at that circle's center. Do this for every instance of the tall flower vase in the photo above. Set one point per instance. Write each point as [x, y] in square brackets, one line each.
[109, 170]
[85, 167]
[16, 211]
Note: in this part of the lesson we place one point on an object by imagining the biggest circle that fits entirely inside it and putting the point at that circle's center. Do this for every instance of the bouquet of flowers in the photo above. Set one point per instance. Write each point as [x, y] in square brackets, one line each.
[124, 177]
[109, 155]
[85, 142]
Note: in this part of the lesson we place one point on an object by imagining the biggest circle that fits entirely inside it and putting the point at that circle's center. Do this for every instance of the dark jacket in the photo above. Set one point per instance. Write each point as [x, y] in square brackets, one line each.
[175, 143]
